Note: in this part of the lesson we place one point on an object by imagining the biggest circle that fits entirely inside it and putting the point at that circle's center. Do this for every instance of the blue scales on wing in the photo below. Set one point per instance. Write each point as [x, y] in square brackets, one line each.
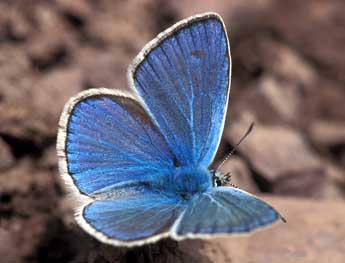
[111, 143]
[135, 218]
[184, 82]
[232, 211]
[114, 154]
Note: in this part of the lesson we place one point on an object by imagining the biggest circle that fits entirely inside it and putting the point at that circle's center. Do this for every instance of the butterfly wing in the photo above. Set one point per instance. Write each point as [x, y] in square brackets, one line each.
[183, 78]
[106, 141]
[138, 218]
[110, 151]
[224, 210]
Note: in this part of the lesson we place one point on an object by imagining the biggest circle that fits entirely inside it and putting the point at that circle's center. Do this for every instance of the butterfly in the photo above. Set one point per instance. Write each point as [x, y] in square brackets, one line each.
[142, 161]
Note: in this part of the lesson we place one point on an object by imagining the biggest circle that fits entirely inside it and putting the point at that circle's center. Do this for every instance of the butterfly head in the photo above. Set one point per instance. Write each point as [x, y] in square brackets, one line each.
[220, 179]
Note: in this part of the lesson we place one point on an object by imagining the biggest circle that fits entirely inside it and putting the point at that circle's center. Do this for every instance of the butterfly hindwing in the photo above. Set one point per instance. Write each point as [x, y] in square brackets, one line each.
[183, 78]
[107, 141]
[224, 210]
[131, 220]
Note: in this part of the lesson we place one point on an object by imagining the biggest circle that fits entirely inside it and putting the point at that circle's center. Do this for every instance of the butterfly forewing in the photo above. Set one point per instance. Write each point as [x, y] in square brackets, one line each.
[183, 79]
[107, 141]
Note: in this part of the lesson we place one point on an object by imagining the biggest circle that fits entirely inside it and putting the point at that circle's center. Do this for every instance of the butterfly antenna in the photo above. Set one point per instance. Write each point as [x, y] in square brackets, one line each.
[250, 128]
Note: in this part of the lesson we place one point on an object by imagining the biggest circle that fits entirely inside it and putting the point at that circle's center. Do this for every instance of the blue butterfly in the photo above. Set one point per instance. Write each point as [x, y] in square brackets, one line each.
[142, 162]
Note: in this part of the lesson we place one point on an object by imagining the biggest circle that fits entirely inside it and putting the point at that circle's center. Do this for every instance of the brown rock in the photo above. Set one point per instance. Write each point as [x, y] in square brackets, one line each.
[286, 64]
[102, 70]
[282, 78]
[77, 8]
[32, 112]
[335, 182]
[49, 159]
[327, 133]
[113, 28]
[50, 94]
[31, 107]
[24, 180]
[325, 103]
[326, 19]
[8, 249]
[28, 198]
[281, 158]
[271, 100]
[14, 27]
[239, 13]
[6, 157]
[15, 83]
[17, 179]
[329, 136]
[314, 232]
[49, 48]
[259, 54]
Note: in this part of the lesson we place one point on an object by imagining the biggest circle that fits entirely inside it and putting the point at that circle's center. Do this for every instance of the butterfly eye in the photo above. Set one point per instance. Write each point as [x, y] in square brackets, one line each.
[220, 179]
[217, 182]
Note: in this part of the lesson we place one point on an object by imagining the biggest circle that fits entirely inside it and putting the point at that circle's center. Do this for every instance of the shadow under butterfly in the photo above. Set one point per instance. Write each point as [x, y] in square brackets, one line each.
[141, 162]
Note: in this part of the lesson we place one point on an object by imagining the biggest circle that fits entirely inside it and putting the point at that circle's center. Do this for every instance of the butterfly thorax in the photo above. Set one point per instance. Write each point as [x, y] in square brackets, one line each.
[185, 182]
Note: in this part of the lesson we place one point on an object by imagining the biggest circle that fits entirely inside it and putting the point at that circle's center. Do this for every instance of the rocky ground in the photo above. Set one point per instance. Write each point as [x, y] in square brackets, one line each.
[288, 77]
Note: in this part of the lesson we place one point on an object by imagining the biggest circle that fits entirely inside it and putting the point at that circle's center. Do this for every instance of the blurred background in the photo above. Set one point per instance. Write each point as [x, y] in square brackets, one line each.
[288, 77]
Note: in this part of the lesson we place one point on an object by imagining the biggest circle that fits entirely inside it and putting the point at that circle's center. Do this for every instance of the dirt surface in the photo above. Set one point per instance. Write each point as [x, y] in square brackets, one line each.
[288, 77]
